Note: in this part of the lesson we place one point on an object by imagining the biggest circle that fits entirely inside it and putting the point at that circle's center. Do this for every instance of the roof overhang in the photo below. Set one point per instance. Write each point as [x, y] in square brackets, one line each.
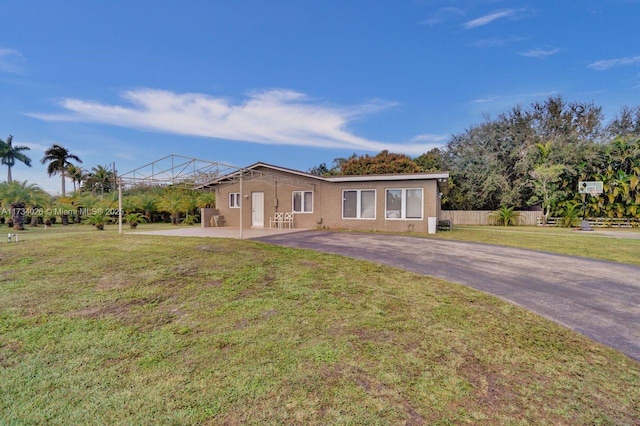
[441, 177]
[394, 177]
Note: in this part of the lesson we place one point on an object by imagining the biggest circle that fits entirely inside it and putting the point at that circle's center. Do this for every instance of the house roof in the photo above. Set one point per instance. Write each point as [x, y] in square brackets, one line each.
[441, 177]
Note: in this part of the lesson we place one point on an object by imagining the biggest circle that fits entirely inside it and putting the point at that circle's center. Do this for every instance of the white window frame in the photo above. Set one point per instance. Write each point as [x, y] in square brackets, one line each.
[234, 200]
[403, 207]
[302, 205]
[359, 203]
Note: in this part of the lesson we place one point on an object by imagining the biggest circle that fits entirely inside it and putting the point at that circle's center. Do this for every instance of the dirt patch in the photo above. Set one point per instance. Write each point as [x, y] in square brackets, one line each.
[270, 313]
[5, 276]
[241, 324]
[137, 312]
[486, 384]
[375, 388]
[113, 281]
[8, 356]
[377, 336]
[185, 271]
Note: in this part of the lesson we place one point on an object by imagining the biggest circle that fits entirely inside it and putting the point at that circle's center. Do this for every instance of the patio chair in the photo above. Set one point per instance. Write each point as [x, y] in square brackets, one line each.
[276, 220]
[287, 222]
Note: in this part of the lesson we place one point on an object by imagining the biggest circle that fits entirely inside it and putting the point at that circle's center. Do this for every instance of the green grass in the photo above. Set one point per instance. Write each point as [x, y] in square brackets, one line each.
[108, 329]
[596, 244]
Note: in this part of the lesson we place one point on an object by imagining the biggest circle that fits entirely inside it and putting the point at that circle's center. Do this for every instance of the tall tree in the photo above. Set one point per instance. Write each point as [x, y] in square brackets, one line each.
[431, 161]
[621, 179]
[101, 180]
[545, 182]
[384, 162]
[58, 158]
[336, 169]
[626, 123]
[77, 176]
[573, 122]
[491, 164]
[9, 154]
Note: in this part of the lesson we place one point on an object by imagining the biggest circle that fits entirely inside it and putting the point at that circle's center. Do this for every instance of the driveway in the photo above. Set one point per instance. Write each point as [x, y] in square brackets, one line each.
[596, 298]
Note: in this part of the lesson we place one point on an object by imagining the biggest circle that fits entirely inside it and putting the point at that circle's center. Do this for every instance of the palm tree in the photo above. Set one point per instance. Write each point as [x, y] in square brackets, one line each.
[147, 202]
[18, 197]
[58, 158]
[133, 219]
[206, 199]
[101, 179]
[77, 176]
[65, 206]
[570, 213]
[98, 219]
[505, 216]
[129, 204]
[173, 202]
[9, 154]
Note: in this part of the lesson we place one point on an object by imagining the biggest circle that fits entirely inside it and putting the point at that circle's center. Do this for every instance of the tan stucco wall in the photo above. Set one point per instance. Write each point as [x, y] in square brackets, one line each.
[327, 203]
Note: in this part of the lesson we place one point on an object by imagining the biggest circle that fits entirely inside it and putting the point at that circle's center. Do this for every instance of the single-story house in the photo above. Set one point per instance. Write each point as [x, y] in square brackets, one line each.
[255, 196]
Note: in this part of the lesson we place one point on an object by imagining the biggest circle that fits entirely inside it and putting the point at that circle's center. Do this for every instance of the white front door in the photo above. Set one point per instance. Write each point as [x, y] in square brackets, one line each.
[257, 209]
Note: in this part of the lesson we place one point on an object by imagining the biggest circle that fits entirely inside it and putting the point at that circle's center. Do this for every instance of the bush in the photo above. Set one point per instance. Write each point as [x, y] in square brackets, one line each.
[505, 216]
[570, 214]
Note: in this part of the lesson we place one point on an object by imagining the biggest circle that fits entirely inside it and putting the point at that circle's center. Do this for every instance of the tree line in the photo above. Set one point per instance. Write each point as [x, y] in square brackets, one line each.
[530, 156]
[94, 198]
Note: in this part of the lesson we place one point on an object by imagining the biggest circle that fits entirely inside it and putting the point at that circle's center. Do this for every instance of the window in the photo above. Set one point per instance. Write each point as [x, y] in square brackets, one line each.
[234, 200]
[302, 201]
[359, 204]
[404, 203]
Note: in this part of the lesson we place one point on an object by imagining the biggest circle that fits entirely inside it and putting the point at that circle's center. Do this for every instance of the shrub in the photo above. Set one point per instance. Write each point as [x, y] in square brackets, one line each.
[505, 216]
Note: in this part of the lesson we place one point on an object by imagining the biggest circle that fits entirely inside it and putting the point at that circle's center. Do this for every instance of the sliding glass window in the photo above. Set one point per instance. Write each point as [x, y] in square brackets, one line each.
[359, 204]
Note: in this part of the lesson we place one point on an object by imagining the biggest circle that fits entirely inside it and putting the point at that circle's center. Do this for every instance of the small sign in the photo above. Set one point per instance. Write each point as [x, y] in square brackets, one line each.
[593, 187]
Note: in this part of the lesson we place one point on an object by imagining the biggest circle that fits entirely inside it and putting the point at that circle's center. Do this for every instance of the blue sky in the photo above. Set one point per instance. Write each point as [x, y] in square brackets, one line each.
[294, 83]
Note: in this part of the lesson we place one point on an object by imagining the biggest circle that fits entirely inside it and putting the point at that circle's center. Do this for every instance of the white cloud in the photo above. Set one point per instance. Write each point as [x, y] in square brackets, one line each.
[10, 60]
[539, 53]
[485, 100]
[516, 97]
[33, 146]
[278, 117]
[428, 138]
[611, 63]
[496, 41]
[493, 16]
[442, 15]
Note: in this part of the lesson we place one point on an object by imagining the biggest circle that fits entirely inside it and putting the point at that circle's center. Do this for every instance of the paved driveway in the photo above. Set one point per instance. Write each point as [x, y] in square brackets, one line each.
[596, 298]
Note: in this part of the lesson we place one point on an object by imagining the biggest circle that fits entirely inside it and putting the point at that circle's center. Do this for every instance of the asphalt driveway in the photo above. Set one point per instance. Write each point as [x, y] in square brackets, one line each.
[596, 298]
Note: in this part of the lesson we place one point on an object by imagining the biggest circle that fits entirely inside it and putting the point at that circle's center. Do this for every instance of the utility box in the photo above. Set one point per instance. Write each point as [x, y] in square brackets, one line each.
[432, 223]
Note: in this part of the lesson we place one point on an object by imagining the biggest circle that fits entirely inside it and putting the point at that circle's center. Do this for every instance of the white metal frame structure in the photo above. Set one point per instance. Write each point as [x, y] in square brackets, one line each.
[176, 171]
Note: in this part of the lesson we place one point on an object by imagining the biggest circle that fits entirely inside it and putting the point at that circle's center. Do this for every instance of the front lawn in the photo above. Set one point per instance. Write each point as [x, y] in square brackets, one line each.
[108, 329]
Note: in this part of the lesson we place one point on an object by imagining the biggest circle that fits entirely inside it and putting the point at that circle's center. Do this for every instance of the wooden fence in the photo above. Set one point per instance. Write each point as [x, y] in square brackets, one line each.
[599, 222]
[481, 217]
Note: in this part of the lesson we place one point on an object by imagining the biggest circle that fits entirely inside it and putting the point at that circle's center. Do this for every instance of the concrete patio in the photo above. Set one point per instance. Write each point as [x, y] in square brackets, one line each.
[223, 232]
